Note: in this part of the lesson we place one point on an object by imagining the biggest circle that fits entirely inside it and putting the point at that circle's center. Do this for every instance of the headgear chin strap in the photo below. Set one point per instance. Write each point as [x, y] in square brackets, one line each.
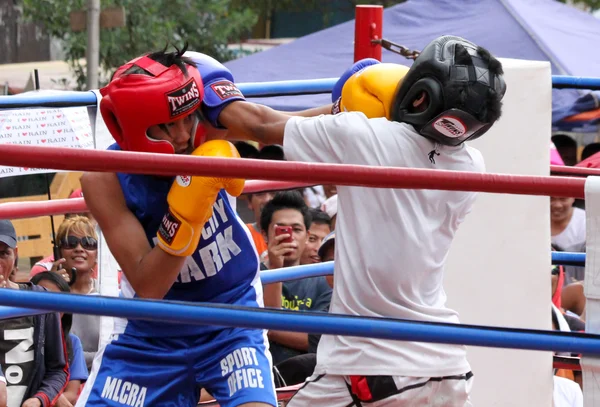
[134, 102]
[457, 87]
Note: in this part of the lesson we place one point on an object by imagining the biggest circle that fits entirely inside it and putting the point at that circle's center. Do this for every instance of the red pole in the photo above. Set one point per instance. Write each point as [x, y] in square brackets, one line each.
[368, 26]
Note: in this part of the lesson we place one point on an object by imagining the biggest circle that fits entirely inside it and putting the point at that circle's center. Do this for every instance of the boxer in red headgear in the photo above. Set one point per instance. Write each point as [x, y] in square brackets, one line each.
[146, 98]
[169, 244]
[178, 239]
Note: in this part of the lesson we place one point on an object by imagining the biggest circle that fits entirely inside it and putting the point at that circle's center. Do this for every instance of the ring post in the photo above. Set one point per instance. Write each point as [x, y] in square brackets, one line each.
[368, 26]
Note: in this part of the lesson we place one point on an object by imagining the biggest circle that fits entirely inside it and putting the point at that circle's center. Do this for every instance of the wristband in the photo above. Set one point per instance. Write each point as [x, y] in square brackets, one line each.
[217, 95]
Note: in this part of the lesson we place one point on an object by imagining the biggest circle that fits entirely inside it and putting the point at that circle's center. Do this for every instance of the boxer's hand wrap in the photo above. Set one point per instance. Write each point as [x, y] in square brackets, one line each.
[336, 108]
[191, 201]
[219, 89]
[371, 90]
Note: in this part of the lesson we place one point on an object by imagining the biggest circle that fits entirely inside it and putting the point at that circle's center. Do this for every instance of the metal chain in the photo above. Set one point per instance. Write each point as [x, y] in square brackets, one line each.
[397, 48]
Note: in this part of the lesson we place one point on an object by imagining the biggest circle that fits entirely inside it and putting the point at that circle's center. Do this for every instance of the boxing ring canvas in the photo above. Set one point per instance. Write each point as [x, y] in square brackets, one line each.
[483, 283]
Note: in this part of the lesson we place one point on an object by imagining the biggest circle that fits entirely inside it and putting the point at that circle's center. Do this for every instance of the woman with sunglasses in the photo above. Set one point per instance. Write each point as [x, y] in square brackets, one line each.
[57, 262]
[78, 247]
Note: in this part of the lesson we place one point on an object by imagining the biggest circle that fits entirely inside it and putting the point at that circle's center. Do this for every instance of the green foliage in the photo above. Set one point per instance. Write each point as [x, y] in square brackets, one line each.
[592, 4]
[207, 25]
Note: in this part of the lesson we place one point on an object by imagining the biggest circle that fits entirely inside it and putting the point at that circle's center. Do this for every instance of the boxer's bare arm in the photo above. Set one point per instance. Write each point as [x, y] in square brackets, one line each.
[250, 121]
[315, 111]
[573, 298]
[150, 271]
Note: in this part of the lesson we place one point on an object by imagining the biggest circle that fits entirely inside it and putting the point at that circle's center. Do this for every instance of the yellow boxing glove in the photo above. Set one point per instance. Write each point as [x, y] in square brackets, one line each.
[372, 90]
[191, 200]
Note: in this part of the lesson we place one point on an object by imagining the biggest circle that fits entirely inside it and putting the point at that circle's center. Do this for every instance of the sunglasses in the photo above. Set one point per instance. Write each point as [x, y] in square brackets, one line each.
[71, 242]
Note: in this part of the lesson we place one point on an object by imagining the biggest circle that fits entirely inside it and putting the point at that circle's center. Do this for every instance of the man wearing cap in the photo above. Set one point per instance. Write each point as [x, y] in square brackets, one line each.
[327, 253]
[38, 371]
[8, 252]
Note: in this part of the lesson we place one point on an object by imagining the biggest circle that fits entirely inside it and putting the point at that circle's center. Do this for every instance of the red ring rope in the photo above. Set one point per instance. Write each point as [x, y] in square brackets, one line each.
[566, 362]
[32, 209]
[253, 186]
[574, 171]
[335, 174]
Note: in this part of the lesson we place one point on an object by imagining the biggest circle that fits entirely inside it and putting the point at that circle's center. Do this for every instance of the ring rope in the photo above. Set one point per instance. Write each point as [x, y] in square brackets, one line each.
[310, 322]
[32, 209]
[297, 272]
[575, 82]
[16, 312]
[566, 362]
[574, 171]
[62, 158]
[568, 259]
[249, 89]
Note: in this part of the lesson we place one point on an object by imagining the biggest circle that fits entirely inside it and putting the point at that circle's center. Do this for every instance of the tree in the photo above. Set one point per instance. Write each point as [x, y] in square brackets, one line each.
[326, 9]
[207, 25]
[592, 5]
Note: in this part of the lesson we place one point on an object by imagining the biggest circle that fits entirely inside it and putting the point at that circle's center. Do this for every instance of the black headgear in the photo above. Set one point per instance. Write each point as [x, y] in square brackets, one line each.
[458, 78]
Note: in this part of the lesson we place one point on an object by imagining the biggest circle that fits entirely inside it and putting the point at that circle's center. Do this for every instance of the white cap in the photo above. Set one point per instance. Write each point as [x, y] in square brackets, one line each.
[327, 241]
[330, 206]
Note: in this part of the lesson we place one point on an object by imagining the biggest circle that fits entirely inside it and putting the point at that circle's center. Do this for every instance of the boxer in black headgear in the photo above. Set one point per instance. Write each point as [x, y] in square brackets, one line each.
[452, 93]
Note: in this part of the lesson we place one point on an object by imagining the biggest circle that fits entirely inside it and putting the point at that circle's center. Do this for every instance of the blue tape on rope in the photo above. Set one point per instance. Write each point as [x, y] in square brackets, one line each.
[249, 89]
[568, 259]
[296, 273]
[312, 322]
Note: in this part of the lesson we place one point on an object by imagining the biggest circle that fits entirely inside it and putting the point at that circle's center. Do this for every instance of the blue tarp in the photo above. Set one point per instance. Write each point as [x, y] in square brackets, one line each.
[525, 29]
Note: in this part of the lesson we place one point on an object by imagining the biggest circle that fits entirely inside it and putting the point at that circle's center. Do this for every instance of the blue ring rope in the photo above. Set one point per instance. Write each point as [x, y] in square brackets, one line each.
[568, 259]
[307, 271]
[14, 312]
[324, 269]
[249, 89]
[575, 82]
[297, 272]
[311, 322]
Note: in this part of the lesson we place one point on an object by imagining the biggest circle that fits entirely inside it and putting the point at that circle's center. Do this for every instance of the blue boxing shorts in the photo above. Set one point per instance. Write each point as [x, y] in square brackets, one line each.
[232, 364]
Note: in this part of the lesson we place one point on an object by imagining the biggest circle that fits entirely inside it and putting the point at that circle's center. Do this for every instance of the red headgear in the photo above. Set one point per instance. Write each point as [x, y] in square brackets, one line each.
[132, 103]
